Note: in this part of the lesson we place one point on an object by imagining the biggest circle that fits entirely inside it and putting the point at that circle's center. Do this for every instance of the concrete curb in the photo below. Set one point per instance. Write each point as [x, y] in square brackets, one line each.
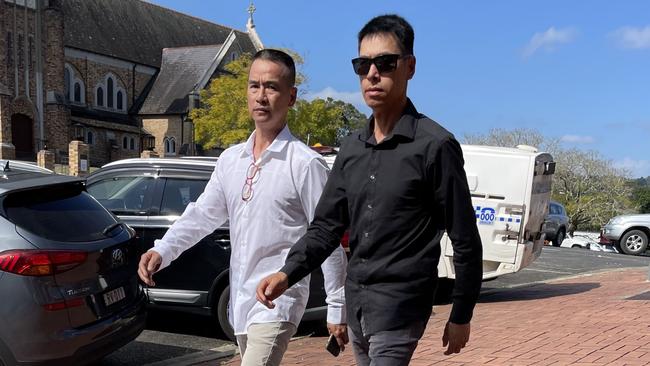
[195, 358]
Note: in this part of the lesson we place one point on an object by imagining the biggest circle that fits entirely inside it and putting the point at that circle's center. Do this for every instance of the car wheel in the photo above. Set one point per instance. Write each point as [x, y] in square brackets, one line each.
[222, 314]
[559, 238]
[576, 246]
[634, 242]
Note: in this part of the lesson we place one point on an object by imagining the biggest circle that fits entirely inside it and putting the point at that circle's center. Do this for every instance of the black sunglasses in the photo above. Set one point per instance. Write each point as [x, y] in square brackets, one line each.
[384, 63]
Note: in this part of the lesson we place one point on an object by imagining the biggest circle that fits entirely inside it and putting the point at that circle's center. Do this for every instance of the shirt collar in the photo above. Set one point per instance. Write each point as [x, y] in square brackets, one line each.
[405, 127]
[276, 146]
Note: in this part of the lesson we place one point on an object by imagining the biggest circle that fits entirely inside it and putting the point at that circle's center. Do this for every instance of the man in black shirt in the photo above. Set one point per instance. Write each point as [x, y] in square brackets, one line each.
[398, 184]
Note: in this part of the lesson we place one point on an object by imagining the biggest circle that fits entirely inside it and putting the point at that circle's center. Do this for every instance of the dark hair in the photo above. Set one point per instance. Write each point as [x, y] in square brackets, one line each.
[391, 24]
[279, 57]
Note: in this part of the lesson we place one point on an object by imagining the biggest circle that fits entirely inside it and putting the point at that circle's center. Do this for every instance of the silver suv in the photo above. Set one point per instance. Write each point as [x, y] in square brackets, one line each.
[629, 233]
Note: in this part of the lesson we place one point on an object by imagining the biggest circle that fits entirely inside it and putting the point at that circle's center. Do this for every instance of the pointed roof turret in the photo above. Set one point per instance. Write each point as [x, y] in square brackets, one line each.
[250, 26]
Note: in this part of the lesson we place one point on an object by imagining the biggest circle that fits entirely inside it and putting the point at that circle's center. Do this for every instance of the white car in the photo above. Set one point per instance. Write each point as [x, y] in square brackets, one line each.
[586, 240]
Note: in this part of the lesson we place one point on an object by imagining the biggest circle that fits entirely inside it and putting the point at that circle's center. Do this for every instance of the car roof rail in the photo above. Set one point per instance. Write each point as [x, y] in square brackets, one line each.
[4, 165]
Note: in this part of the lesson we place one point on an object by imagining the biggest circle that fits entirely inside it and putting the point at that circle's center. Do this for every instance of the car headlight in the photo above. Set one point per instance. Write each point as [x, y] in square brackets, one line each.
[615, 220]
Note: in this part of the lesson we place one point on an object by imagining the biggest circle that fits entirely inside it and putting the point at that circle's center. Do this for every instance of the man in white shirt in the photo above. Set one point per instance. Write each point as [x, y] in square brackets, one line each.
[268, 188]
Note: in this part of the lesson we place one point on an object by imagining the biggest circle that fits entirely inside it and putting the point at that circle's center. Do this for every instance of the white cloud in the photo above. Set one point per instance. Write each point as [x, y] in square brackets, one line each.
[576, 139]
[638, 168]
[354, 98]
[631, 37]
[548, 40]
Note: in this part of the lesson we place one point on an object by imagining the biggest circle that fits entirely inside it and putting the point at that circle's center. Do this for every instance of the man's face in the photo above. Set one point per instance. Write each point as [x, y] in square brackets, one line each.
[384, 90]
[270, 94]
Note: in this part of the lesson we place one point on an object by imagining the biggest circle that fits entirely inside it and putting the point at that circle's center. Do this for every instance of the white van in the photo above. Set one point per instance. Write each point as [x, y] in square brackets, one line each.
[511, 189]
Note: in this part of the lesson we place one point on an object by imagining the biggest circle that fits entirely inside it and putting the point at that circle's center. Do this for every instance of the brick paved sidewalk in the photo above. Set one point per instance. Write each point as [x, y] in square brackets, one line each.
[599, 319]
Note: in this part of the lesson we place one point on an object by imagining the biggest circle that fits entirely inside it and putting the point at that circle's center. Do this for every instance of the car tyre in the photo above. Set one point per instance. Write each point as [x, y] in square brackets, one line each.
[559, 238]
[634, 242]
[223, 302]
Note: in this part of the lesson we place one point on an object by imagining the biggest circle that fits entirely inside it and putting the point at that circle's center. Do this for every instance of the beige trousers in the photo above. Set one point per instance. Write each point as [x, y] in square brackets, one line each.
[265, 343]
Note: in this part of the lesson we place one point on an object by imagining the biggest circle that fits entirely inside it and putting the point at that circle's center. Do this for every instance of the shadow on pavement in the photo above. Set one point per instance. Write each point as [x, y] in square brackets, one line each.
[205, 326]
[183, 323]
[539, 291]
[141, 353]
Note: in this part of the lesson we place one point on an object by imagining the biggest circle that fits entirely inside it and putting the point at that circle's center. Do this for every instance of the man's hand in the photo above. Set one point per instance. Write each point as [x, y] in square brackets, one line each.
[271, 287]
[456, 336]
[340, 331]
[149, 264]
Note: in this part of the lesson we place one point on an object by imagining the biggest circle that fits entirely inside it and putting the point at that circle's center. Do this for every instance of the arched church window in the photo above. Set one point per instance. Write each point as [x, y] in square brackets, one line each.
[66, 83]
[77, 92]
[109, 92]
[120, 100]
[100, 96]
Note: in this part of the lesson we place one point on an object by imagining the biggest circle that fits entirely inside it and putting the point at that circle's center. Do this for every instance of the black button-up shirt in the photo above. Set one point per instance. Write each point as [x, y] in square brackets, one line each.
[397, 197]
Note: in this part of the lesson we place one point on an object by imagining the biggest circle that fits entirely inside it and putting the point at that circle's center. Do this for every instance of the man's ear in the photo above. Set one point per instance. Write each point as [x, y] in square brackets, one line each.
[410, 62]
[294, 95]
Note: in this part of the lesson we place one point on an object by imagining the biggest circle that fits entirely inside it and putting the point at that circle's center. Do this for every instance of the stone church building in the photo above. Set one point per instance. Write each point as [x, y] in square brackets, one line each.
[121, 75]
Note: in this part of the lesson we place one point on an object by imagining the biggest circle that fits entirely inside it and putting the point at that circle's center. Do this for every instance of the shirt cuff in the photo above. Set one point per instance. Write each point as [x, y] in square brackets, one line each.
[290, 269]
[163, 250]
[336, 315]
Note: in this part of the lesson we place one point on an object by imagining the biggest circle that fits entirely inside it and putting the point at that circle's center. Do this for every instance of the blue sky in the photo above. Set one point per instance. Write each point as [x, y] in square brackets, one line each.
[575, 70]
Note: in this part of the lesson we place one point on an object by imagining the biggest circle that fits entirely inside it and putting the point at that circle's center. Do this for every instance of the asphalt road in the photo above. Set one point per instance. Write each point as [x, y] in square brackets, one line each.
[178, 339]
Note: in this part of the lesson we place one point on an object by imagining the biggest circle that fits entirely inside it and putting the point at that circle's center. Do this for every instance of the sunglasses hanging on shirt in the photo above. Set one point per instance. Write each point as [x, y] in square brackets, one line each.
[252, 175]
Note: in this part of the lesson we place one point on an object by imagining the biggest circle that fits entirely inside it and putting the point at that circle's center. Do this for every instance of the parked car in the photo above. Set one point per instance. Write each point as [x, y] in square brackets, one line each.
[628, 233]
[585, 240]
[149, 195]
[556, 223]
[67, 272]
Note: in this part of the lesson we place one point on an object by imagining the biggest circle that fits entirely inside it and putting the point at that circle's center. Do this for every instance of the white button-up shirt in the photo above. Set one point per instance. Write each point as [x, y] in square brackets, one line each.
[287, 187]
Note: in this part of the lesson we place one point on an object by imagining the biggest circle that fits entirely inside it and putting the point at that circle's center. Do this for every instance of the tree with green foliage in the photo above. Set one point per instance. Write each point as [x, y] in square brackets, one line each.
[589, 186]
[324, 121]
[223, 118]
[641, 194]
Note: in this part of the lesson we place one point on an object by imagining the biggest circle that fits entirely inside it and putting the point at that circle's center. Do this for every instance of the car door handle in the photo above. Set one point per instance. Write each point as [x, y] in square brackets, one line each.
[223, 243]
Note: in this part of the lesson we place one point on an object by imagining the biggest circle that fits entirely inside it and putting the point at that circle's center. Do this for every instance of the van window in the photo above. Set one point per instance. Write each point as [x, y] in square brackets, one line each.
[62, 213]
[123, 195]
[178, 193]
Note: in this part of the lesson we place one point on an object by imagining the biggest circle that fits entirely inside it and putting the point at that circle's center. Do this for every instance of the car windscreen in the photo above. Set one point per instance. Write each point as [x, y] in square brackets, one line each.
[62, 213]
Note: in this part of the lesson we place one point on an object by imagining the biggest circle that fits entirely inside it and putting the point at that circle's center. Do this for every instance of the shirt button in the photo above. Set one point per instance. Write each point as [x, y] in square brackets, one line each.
[362, 286]
[372, 177]
[370, 207]
[363, 260]
[366, 234]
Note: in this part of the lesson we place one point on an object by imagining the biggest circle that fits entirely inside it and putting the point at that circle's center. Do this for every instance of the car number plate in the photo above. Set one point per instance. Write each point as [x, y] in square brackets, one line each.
[113, 296]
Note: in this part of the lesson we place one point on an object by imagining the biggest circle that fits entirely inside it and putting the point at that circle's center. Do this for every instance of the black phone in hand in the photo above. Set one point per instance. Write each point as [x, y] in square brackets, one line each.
[333, 346]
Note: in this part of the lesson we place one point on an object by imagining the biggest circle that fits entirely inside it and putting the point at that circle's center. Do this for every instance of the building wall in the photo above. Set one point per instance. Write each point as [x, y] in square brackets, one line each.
[91, 69]
[17, 66]
[94, 70]
[165, 127]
